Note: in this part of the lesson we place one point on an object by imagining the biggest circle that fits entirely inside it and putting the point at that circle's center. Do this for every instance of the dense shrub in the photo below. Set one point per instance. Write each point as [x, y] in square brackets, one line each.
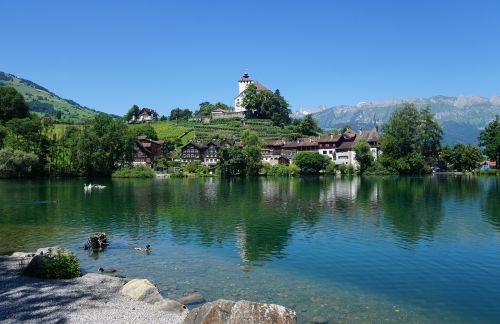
[17, 164]
[293, 169]
[331, 169]
[140, 171]
[196, 166]
[59, 265]
[279, 170]
[310, 162]
[347, 169]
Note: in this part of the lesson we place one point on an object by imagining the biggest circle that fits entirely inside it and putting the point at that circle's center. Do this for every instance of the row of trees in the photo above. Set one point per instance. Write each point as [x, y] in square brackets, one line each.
[30, 146]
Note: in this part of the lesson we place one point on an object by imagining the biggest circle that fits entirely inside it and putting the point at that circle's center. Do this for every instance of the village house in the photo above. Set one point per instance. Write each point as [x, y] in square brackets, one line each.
[148, 151]
[343, 152]
[205, 152]
[272, 153]
[145, 115]
[339, 148]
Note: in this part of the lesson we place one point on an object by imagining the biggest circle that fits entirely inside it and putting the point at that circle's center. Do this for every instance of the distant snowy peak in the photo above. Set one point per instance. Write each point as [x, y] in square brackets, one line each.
[460, 101]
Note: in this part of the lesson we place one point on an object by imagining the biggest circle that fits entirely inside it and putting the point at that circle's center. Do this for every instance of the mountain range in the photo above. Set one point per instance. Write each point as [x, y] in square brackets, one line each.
[43, 101]
[461, 117]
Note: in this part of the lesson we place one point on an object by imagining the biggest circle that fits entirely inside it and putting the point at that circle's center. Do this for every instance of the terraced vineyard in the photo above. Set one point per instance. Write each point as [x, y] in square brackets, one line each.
[232, 129]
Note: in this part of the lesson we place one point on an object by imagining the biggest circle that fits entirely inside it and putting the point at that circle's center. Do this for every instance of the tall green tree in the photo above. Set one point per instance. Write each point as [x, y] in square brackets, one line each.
[431, 134]
[143, 130]
[308, 126]
[364, 156]
[489, 140]
[12, 104]
[232, 161]
[251, 149]
[104, 144]
[310, 162]
[206, 108]
[132, 112]
[266, 105]
[180, 114]
[411, 140]
[466, 157]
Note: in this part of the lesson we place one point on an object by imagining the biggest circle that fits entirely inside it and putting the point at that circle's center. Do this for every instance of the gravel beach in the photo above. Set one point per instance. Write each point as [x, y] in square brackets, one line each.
[92, 298]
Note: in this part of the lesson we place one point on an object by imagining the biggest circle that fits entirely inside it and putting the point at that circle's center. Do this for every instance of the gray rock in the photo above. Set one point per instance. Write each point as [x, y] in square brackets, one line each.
[46, 250]
[172, 306]
[22, 254]
[143, 290]
[195, 298]
[241, 312]
[319, 320]
[34, 266]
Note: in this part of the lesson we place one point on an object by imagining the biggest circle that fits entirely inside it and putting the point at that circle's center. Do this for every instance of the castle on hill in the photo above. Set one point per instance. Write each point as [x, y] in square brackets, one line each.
[239, 109]
[243, 83]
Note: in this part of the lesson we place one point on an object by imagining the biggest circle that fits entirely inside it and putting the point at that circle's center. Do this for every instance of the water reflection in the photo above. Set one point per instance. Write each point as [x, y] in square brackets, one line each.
[490, 204]
[260, 215]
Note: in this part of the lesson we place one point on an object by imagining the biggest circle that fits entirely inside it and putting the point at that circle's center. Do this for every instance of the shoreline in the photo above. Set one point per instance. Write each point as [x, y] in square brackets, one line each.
[103, 298]
[89, 298]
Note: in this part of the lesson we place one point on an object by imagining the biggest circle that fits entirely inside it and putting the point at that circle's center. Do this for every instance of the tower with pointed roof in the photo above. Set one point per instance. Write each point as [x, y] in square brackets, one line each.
[243, 83]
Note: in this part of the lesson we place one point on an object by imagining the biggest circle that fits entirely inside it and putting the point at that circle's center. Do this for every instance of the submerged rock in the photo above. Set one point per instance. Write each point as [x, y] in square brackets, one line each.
[241, 312]
[195, 298]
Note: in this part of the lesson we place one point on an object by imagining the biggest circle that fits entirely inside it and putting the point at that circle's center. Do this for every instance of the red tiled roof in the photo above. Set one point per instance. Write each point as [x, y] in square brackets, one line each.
[329, 139]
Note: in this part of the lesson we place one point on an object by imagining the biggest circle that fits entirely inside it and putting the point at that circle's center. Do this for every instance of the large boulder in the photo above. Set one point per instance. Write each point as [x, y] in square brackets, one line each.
[242, 312]
[34, 266]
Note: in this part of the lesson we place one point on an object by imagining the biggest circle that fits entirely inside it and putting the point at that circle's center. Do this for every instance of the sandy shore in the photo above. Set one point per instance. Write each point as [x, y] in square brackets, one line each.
[92, 298]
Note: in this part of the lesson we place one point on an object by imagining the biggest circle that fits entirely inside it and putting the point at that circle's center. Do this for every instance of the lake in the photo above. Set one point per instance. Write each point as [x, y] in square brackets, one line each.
[423, 249]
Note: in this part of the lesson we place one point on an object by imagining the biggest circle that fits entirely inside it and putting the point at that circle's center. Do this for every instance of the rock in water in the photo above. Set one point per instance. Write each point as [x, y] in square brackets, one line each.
[192, 299]
[143, 290]
[241, 312]
[97, 242]
[172, 306]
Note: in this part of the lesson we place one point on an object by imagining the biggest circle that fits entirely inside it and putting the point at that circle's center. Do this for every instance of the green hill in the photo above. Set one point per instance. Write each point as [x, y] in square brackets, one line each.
[43, 101]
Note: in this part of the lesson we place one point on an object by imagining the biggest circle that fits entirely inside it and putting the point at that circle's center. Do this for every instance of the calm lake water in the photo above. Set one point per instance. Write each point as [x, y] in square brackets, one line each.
[334, 249]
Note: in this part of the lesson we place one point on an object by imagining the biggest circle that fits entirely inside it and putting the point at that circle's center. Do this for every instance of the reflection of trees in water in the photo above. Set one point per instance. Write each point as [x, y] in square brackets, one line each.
[460, 187]
[257, 212]
[412, 206]
[490, 204]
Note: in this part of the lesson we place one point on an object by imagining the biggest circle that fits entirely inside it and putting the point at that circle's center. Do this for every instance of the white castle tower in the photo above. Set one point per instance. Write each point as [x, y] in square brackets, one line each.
[243, 83]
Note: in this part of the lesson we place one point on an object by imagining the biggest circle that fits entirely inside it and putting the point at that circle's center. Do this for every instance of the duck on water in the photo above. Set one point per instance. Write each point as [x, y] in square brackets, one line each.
[146, 249]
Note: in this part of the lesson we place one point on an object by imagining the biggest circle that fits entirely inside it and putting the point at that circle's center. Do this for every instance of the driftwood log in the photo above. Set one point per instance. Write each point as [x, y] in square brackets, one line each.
[97, 242]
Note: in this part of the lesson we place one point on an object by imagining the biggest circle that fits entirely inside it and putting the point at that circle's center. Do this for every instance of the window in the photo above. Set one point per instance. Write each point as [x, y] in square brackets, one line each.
[324, 152]
[331, 152]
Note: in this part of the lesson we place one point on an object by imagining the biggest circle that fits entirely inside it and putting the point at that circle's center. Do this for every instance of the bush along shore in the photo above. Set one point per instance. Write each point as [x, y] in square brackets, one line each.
[75, 298]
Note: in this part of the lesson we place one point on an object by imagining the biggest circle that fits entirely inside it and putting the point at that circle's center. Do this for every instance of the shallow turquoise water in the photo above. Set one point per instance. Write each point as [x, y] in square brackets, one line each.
[337, 249]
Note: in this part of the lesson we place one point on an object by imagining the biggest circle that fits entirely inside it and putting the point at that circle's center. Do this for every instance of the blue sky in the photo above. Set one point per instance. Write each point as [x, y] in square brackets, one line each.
[109, 55]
